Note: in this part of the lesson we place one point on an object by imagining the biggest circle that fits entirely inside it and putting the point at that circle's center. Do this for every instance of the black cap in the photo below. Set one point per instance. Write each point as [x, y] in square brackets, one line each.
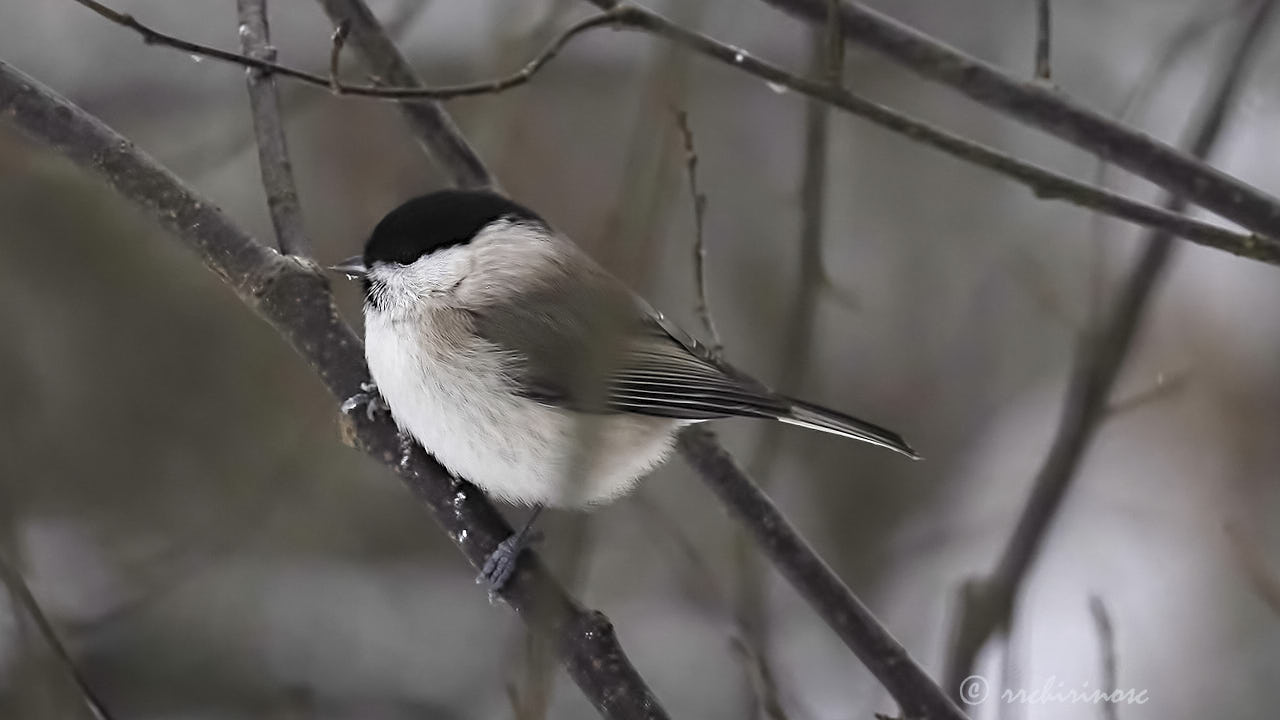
[439, 220]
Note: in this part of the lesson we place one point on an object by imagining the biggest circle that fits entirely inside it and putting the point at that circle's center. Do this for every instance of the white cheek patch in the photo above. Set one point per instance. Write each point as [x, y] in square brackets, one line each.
[442, 270]
[439, 272]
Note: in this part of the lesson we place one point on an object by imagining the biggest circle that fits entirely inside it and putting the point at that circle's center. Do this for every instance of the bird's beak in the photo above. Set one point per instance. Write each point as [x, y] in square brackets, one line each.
[352, 267]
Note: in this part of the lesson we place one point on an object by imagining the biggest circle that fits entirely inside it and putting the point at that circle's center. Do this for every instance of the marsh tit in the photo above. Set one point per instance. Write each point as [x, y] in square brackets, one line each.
[527, 369]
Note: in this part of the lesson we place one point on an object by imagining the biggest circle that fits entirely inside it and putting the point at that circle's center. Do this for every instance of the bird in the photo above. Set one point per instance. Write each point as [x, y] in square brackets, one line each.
[527, 369]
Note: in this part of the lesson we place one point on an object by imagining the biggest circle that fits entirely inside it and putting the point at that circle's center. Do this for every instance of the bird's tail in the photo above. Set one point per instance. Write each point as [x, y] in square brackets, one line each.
[820, 418]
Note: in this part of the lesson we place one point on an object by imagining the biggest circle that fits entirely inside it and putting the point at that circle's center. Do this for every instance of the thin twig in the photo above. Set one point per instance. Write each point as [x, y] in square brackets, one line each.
[1043, 31]
[431, 126]
[470, 172]
[293, 296]
[273, 149]
[397, 91]
[223, 149]
[1107, 651]
[699, 201]
[337, 41]
[1039, 105]
[21, 593]
[986, 604]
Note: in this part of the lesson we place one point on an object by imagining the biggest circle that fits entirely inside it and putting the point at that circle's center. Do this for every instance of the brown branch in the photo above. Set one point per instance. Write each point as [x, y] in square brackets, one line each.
[273, 150]
[21, 597]
[884, 656]
[293, 296]
[453, 154]
[1046, 108]
[985, 605]
[699, 201]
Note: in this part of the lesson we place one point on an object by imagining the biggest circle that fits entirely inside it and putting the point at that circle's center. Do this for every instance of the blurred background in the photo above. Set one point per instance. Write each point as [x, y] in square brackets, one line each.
[176, 494]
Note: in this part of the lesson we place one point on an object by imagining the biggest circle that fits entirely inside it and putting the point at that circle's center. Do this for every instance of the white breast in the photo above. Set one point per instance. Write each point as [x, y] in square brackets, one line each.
[445, 388]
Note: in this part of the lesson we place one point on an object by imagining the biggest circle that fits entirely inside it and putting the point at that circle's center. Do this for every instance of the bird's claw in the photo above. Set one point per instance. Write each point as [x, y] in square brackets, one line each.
[500, 565]
[370, 398]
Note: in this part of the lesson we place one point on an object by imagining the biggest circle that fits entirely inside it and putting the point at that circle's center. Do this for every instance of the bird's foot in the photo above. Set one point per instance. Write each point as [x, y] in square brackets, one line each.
[501, 563]
[370, 398]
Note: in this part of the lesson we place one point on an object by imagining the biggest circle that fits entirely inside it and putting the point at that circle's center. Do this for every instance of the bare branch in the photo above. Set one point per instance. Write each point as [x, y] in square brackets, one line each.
[906, 681]
[1043, 31]
[431, 125]
[699, 201]
[293, 296]
[273, 150]
[459, 158]
[22, 597]
[398, 91]
[1048, 109]
[1160, 64]
[986, 605]
[1107, 649]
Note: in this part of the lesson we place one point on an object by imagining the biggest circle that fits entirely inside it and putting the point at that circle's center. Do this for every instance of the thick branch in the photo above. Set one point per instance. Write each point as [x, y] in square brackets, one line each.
[273, 150]
[293, 296]
[453, 153]
[1050, 110]
[986, 605]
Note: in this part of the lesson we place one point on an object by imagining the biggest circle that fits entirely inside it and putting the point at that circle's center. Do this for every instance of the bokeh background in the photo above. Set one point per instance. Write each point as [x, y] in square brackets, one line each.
[176, 494]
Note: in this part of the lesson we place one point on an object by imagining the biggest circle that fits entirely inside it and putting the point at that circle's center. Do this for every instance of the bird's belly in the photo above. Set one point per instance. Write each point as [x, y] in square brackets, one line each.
[463, 412]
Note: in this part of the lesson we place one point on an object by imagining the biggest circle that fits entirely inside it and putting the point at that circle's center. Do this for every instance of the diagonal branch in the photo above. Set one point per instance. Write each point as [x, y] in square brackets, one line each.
[1046, 108]
[454, 154]
[293, 297]
[986, 604]
[273, 150]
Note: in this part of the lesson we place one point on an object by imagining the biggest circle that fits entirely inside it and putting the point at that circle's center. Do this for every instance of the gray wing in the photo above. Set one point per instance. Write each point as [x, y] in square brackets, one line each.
[573, 336]
[579, 339]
